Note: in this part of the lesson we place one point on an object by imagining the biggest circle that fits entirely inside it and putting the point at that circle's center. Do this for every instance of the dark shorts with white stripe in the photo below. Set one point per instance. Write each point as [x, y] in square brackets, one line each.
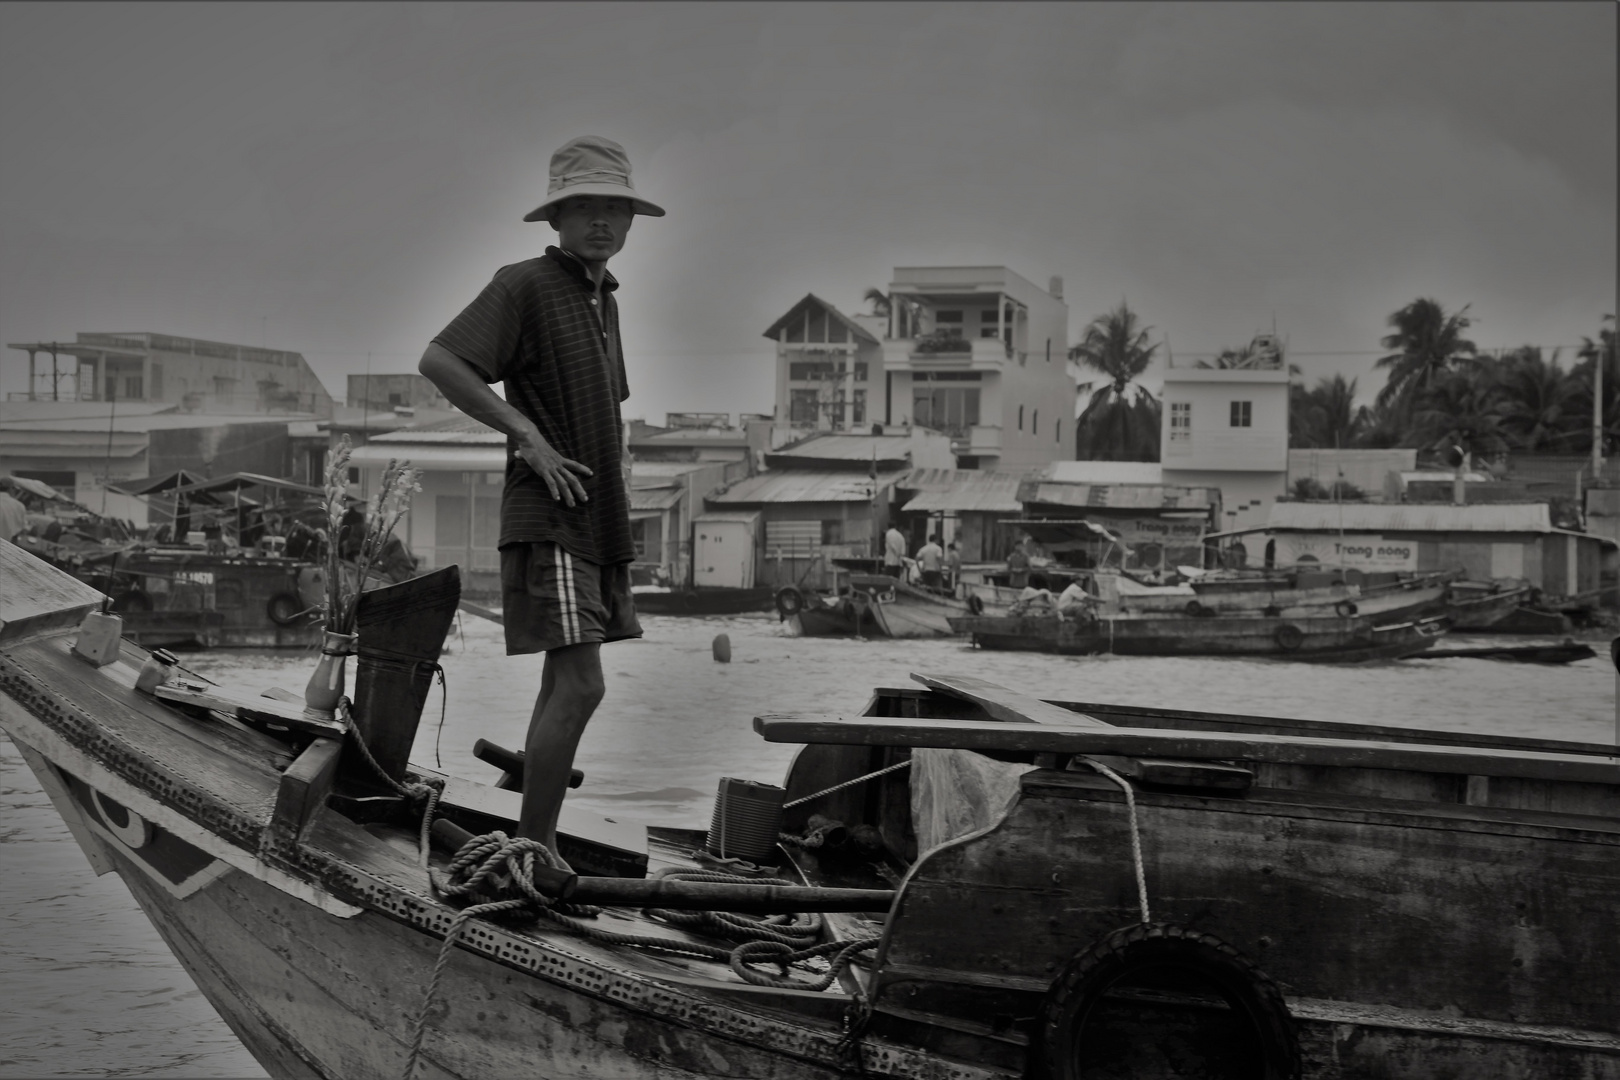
[550, 599]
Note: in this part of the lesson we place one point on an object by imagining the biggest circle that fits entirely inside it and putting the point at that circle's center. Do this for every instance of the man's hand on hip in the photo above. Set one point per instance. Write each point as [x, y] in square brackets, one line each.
[560, 474]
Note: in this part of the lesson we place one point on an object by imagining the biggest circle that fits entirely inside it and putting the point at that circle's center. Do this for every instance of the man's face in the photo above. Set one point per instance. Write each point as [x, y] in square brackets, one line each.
[592, 226]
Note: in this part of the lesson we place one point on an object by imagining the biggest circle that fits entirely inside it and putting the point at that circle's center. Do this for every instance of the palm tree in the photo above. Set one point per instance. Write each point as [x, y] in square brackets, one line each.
[1580, 400]
[1121, 421]
[1460, 408]
[1425, 345]
[880, 301]
[1533, 400]
[1326, 416]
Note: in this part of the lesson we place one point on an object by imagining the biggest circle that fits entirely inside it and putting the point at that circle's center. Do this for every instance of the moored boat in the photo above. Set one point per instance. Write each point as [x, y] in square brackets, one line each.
[1314, 900]
[1480, 605]
[1320, 638]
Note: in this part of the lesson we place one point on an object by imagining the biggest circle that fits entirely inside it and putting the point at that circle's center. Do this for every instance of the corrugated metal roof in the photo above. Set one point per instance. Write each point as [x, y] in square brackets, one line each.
[1115, 496]
[164, 421]
[688, 436]
[463, 430]
[439, 458]
[1410, 517]
[963, 491]
[671, 469]
[654, 498]
[1102, 472]
[848, 446]
[802, 485]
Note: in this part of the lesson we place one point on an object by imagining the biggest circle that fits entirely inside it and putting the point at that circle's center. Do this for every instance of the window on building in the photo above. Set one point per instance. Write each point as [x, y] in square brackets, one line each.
[1048, 350]
[806, 370]
[1035, 422]
[1020, 418]
[802, 407]
[1057, 431]
[949, 409]
[1242, 413]
[858, 408]
[133, 390]
[1180, 421]
[860, 371]
[948, 317]
[832, 532]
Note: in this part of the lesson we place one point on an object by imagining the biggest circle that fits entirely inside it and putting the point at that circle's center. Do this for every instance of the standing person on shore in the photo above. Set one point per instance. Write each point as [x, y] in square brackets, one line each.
[894, 552]
[548, 330]
[931, 558]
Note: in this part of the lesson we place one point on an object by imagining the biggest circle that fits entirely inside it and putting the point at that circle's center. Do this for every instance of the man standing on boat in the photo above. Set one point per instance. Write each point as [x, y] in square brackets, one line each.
[548, 330]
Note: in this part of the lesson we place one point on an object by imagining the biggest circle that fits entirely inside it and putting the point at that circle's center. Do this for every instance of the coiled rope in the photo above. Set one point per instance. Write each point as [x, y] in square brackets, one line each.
[497, 871]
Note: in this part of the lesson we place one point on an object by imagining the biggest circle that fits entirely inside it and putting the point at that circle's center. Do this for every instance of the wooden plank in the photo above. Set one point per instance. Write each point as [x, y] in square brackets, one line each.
[303, 789]
[1036, 738]
[624, 842]
[1008, 706]
[36, 597]
[1155, 717]
[272, 710]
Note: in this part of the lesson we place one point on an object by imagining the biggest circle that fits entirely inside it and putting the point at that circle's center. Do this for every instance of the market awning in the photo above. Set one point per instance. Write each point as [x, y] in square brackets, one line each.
[240, 480]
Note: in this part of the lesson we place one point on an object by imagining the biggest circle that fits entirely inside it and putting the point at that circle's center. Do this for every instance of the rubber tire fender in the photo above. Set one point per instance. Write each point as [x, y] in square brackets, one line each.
[975, 604]
[284, 608]
[1344, 609]
[1288, 637]
[1195, 609]
[1089, 975]
[789, 601]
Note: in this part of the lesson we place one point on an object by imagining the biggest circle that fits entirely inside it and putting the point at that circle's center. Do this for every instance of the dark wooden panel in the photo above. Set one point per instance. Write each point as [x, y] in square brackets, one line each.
[1035, 738]
[1390, 909]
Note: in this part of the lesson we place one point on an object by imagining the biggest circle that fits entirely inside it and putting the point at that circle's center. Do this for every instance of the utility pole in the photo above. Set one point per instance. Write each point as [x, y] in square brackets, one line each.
[1597, 413]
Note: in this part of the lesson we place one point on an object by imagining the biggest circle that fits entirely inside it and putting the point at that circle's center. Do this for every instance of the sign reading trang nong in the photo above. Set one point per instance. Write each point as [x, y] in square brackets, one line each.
[1360, 551]
[1156, 531]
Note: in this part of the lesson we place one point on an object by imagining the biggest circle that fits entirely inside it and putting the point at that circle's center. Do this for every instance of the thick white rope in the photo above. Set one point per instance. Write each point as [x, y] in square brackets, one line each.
[1136, 835]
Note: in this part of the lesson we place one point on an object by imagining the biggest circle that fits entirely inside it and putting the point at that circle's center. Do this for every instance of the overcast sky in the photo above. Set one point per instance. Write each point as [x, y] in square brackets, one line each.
[339, 179]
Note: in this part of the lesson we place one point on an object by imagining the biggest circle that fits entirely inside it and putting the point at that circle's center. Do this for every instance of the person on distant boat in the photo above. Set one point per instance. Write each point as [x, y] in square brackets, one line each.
[894, 552]
[1017, 566]
[1035, 599]
[1074, 602]
[931, 558]
[953, 565]
[548, 329]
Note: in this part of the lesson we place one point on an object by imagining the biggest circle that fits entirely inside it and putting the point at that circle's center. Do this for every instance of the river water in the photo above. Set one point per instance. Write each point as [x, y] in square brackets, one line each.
[90, 990]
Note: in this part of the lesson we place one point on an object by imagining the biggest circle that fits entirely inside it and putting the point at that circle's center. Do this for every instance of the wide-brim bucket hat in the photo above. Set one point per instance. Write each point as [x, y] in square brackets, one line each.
[591, 165]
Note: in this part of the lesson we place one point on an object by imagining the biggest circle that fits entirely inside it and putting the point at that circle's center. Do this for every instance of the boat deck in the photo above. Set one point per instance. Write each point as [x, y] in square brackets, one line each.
[226, 774]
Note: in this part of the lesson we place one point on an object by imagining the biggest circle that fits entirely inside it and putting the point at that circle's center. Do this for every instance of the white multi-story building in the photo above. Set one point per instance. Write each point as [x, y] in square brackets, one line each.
[1228, 428]
[976, 352]
[981, 353]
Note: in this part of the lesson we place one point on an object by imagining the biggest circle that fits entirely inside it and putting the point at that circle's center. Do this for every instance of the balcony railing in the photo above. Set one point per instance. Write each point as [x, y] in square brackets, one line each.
[979, 350]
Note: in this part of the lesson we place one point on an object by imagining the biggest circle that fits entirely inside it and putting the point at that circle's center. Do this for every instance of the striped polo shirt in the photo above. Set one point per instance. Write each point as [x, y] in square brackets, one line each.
[538, 329]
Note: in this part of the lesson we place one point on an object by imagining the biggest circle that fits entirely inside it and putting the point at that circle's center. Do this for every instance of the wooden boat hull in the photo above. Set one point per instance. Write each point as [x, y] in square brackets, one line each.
[1474, 610]
[234, 601]
[905, 611]
[1425, 921]
[1320, 639]
[1339, 640]
[316, 936]
[1528, 620]
[1563, 653]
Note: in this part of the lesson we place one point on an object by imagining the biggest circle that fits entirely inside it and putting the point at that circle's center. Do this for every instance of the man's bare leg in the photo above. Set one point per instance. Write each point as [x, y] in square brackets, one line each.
[570, 689]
